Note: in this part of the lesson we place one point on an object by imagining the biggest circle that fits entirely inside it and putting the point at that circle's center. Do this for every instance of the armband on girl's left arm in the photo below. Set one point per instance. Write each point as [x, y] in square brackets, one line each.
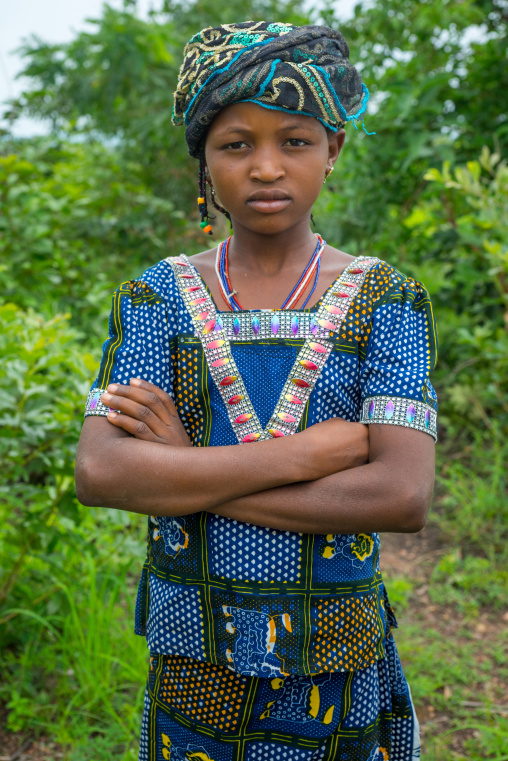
[401, 354]
[395, 410]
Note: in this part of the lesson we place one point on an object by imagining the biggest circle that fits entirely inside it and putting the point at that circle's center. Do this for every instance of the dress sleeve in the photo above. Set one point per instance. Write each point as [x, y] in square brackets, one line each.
[401, 354]
[138, 345]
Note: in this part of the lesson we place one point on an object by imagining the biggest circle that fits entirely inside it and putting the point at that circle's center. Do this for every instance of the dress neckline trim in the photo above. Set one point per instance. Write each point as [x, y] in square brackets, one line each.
[209, 328]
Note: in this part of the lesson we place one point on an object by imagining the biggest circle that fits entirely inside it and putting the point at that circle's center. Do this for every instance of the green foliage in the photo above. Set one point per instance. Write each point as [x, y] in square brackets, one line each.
[42, 381]
[63, 568]
[434, 98]
[117, 81]
[473, 505]
[458, 680]
[74, 219]
[460, 225]
[473, 516]
[70, 678]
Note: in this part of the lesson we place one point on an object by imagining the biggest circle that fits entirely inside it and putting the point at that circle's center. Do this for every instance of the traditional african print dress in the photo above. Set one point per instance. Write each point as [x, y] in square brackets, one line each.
[270, 644]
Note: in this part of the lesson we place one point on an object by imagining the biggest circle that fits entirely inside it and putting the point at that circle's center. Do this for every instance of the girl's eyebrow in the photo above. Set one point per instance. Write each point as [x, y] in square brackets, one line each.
[283, 128]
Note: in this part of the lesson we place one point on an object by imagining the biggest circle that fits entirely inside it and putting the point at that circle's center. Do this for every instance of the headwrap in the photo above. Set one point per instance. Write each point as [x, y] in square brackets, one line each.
[298, 69]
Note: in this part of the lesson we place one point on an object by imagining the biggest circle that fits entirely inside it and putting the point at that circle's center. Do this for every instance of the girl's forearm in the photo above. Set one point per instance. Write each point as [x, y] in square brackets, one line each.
[391, 493]
[116, 470]
[148, 478]
[358, 500]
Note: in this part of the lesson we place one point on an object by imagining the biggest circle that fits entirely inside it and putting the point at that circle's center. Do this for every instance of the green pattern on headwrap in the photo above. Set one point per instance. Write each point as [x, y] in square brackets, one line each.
[296, 69]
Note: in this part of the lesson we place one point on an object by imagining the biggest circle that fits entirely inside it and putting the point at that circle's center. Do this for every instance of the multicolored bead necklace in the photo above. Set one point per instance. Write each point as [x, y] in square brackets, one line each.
[229, 294]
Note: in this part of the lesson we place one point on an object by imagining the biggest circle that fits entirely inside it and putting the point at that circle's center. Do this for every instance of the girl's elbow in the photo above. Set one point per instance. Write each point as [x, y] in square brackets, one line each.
[415, 510]
[89, 482]
[415, 521]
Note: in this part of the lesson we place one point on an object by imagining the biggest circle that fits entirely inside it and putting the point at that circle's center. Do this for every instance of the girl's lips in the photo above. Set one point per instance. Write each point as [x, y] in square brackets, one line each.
[269, 206]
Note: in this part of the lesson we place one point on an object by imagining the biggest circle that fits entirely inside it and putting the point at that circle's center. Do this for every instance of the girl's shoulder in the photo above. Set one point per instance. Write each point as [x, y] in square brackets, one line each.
[157, 280]
[157, 285]
[384, 282]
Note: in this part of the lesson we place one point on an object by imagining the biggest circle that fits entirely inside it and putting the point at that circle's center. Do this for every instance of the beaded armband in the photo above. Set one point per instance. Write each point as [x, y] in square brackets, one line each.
[396, 411]
[94, 405]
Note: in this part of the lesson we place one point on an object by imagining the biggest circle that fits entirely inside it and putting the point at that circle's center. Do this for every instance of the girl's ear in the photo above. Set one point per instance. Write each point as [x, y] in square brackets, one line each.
[335, 143]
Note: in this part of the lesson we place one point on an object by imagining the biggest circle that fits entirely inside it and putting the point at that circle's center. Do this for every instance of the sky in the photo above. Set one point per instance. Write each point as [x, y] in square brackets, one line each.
[54, 21]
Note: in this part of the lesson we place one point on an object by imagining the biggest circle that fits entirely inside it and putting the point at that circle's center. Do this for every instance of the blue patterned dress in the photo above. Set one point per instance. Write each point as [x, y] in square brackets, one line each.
[269, 644]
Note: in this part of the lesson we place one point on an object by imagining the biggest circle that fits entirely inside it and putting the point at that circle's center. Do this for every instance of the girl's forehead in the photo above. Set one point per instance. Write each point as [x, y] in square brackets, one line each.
[253, 117]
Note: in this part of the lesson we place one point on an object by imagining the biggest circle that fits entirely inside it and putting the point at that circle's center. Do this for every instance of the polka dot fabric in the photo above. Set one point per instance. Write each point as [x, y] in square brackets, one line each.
[401, 353]
[399, 360]
[269, 751]
[332, 399]
[188, 402]
[175, 622]
[365, 699]
[145, 736]
[197, 710]
[356, 616]
[207, 694]
[244, 552]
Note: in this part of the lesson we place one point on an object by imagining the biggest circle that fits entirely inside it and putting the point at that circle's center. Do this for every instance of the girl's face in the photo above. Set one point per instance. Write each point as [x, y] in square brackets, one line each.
[267, 167]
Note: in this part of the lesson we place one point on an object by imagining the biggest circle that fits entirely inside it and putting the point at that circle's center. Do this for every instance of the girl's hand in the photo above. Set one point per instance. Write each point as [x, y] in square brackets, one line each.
[148, 413]
[335, 445]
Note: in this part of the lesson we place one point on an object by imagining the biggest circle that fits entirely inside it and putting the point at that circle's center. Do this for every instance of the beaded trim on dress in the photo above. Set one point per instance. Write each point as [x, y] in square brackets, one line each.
[306, 369]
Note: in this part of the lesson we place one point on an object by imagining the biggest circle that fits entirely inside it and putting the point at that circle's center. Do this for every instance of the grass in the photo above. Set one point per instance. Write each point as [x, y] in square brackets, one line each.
[79, 678]
[456, 661]
[458, 678]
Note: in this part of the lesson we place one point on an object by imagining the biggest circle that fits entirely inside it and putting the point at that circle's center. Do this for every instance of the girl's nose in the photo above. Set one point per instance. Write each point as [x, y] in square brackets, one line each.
[266, 166]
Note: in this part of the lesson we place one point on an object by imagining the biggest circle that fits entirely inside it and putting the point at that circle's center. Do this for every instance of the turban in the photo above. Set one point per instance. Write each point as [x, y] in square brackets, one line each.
[297, 69]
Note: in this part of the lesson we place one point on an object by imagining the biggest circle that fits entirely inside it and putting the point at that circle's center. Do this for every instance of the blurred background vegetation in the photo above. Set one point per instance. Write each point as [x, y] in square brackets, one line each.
[108, 192]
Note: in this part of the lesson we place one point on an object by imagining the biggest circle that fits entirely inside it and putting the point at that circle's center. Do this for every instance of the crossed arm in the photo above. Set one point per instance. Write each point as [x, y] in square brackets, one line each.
[334, 477]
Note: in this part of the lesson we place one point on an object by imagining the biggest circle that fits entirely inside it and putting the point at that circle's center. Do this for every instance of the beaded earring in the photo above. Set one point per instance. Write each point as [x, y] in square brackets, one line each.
[202, 203]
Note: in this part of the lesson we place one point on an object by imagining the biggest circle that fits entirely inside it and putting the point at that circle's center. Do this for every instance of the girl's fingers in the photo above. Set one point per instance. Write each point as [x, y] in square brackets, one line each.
[145, 398]
[163, 396]
[135, 427]
[138, 411]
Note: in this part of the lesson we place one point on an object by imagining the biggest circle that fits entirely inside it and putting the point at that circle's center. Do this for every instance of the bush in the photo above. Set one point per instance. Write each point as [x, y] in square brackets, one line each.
[65, 569]
[459, 246]
[75, 222]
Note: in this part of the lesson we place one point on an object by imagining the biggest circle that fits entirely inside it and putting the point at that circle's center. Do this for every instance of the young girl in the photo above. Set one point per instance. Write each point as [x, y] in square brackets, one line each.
[261, 598]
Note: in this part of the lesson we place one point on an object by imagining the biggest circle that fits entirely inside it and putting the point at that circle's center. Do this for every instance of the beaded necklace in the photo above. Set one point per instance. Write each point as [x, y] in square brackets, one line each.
[229, 294]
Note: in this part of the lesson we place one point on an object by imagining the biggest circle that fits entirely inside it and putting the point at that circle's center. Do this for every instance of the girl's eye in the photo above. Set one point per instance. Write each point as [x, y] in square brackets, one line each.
[238, 145]
[295, 142]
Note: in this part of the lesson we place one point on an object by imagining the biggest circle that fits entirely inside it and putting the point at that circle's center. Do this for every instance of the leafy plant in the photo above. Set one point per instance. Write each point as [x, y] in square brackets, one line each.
[73, 221]
[43, 377]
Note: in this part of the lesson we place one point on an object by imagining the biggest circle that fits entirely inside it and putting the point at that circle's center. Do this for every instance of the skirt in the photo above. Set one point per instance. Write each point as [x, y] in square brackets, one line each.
[195, 710]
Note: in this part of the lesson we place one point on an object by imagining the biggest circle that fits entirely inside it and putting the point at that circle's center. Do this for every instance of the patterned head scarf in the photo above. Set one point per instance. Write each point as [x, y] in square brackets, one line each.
[301, 70]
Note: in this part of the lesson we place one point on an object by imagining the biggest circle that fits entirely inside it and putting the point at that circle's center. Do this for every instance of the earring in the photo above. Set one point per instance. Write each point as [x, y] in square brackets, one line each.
[327, 174]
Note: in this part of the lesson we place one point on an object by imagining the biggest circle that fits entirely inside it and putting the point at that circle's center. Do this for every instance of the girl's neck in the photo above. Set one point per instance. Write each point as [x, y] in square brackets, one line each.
[268, 255]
